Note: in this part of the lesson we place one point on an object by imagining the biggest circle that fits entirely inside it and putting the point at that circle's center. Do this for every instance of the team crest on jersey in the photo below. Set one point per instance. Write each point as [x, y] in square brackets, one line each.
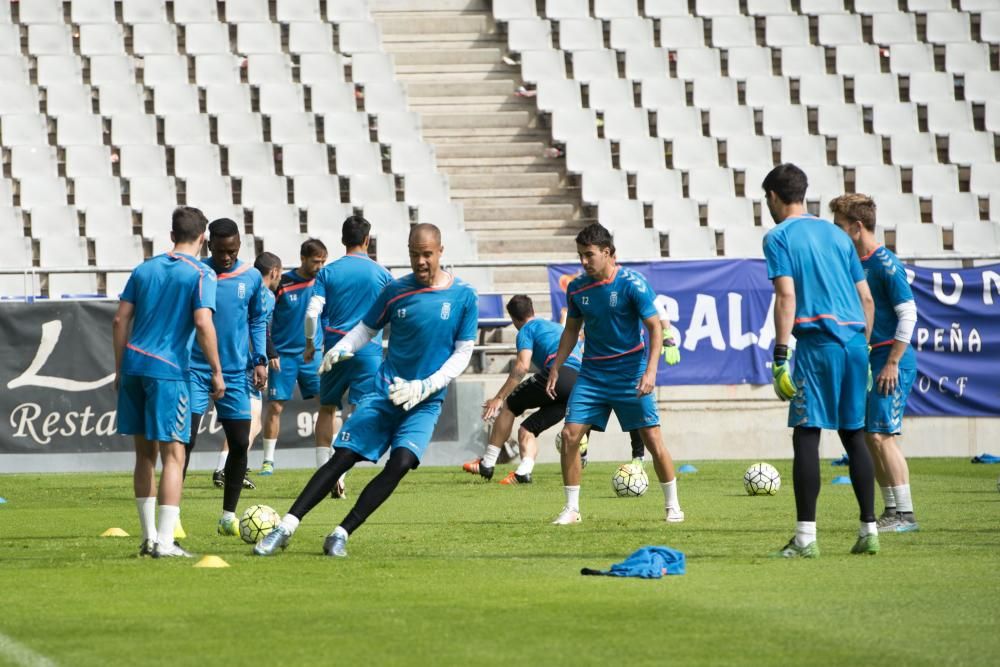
[613, 301]
[446, 310]
[241, 290]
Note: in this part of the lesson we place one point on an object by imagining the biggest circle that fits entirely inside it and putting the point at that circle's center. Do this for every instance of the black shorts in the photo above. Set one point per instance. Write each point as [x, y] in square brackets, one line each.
[531, 394]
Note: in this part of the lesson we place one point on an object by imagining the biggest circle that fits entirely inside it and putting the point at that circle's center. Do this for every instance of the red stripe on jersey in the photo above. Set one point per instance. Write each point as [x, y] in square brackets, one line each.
[800, 320]
[451, 279]
[883, 343]
[607, 281]
[615, 356]
[201, 276]
[331, 329]
[150, 354]
[233, 274]
[868, 256]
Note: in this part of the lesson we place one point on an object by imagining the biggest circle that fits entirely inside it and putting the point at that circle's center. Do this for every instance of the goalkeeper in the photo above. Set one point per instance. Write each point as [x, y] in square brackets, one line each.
[822, 297]
[433, 316]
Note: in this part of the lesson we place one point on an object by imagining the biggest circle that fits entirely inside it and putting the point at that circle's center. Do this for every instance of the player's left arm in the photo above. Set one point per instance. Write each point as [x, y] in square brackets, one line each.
[258, 336]
[906, 319]
[121, 326]
[522, 363]
[647, 383]
[867, 305]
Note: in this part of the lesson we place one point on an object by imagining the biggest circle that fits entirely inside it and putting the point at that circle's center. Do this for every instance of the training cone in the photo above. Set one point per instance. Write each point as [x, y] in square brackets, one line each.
[114, 532]
[687, 467]
[211, 561]
[841, 479]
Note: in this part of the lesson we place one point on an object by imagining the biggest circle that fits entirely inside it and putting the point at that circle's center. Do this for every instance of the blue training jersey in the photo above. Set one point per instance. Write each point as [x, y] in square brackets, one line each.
[542, 338]
[288, 323]
[426, 323]
[613, 311]
[350, 286]
[887, 280]
[821, 260]
[240, 327]
[165, 291]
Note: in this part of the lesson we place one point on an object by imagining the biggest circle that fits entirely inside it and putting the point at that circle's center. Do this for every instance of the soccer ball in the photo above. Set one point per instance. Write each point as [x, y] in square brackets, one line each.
[583, 444]
[257, 521]
[761, 479]
[630, 481]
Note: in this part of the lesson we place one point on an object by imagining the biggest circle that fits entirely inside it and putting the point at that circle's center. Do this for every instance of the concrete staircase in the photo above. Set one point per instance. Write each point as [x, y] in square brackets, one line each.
[518, 203]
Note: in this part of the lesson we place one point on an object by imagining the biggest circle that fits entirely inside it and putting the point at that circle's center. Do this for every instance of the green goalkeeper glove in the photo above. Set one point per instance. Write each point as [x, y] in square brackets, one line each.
[784, 387]
[670, 351]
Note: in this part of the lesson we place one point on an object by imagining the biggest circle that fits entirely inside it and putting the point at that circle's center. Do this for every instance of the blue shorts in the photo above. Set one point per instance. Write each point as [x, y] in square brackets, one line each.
[281, 384]
[154, 408]
[234, 404]
[376, 426]
[884, 412]
[832, 382]
[601, 388]
[354, 376]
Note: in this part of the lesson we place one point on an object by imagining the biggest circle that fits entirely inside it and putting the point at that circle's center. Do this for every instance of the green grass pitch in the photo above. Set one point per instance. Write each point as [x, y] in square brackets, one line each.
[456, 571]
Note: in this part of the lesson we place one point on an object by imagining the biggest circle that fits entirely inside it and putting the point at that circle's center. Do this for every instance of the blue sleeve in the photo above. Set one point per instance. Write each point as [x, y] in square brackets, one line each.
[470, 317]
[643, 297]
[854, 263]
[776, 254]
[525, 338]
[896, 285]
[204, 291]
[258, 324]
[128, 294]
[572, 310]
[378, 315]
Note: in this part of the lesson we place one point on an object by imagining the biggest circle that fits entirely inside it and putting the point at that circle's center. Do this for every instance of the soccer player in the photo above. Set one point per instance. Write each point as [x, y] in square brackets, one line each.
[613, 303]
[821, 297]
[344, 291]
[893, 362]
[433, 317]
[290, 303]
[167, 302]
[241, 326]
[537, 342]
[269, 266]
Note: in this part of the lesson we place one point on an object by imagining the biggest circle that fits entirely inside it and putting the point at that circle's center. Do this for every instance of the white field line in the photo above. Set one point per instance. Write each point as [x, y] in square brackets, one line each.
[19, 654]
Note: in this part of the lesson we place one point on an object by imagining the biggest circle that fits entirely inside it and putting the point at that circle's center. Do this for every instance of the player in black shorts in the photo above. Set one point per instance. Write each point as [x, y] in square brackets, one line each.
[537, 341]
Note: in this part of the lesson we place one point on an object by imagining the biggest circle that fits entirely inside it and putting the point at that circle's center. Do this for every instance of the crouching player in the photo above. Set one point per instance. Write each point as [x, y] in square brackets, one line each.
[893, 362]
[433, 318]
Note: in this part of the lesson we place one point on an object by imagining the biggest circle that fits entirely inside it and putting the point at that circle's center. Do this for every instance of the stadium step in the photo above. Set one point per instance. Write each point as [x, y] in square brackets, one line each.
[428, 57]
[448, 89]
[514, 149]
[436, 25]
[514, 181]
[407, 7]
[472, 107]
[465, 135]
[551, 226]
[529, 212]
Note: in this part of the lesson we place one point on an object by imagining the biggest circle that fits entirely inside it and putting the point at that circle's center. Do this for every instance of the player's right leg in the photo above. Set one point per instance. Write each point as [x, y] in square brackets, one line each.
[883, 422]
[586, 409]
[851, 425]
[280, 387]
[663, 463]
[635, 441]
[132, 421]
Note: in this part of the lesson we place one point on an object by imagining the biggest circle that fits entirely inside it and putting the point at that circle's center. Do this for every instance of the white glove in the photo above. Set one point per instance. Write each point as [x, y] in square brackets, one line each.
[332, 357]
[409, 393]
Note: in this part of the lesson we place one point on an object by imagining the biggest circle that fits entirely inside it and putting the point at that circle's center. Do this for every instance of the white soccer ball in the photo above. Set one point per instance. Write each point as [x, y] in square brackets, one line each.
[258, 521]
[761, 479]
[583, 443]
[630, 481]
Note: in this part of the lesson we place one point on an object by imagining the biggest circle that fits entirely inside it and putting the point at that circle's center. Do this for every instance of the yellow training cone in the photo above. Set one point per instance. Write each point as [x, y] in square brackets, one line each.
[211, 561]
[114, 532]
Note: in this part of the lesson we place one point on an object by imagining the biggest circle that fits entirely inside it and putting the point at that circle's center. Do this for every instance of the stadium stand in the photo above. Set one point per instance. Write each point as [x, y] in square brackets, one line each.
[510, 124]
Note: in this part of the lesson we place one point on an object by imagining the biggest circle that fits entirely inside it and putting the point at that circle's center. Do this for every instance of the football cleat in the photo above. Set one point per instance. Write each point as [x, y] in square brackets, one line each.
[567, 517]
[276, 539]
[583, 458]
[267, 468]
[179, 533]
[229, 526]
[146, 548]
[905, 523]
[219, 478]
[793, 550]
[513, 478]
[675, 515]
[247, 484]
[888, 518]
[476, 467]
[866, 544]
[172, 551]
[335, 545]
[339, 491]
[637, 461]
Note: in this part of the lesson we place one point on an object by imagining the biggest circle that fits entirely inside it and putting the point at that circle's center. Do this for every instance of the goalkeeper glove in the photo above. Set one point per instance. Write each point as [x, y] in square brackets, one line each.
[671, 352]
[783, 385]
[333, 356]
[408, 393]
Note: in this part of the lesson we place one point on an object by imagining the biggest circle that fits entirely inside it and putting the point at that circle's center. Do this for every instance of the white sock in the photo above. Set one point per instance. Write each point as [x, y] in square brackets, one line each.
[147, 517]
[527, 465]
[888, 497]
[269, 445]
[573, 497]
[670, 494]
[805, 532]
[166, 523]
[339, 530]
[904, 503]
[322, 456]
[290, 523]
[228, 515]
[492, 453]
[867, 529]
[223, 455]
